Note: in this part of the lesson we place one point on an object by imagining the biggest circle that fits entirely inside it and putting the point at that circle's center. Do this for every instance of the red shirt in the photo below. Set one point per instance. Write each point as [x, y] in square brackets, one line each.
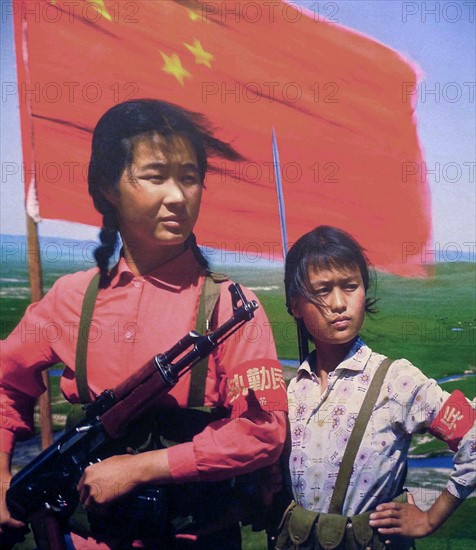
[134, 319]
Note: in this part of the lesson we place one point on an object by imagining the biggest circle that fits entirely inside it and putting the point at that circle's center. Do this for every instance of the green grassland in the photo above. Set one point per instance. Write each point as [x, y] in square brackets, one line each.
[416, 319]
[430, 321]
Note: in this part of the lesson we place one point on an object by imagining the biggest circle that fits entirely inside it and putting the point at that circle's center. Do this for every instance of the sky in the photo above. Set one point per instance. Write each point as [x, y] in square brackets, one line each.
[439, 38]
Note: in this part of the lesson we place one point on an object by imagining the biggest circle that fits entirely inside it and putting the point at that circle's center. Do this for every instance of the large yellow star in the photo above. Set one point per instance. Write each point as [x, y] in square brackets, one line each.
[201, 56]
[173, 66]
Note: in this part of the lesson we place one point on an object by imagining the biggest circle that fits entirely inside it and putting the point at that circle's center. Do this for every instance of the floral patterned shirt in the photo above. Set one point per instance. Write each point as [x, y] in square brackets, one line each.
[321, 425]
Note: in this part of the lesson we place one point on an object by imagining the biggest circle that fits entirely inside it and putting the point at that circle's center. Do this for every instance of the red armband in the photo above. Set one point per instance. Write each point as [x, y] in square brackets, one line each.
[454, 420]
[263, 376]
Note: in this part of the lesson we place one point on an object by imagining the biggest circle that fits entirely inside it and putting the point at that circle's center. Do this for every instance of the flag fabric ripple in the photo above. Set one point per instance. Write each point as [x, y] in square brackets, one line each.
[346, 130]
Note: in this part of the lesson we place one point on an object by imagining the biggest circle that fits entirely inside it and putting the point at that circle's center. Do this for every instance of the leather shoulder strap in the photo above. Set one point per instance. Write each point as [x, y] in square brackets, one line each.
[361, 422]
[83, 335]
[208, 300]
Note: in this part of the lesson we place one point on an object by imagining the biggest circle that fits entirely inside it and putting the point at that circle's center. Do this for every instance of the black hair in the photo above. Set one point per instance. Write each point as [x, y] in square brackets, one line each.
[112, 151]
[325, 247]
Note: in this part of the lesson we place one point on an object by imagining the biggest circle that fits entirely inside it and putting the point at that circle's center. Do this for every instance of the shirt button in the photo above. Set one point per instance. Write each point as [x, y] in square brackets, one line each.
[129, 334]
[137, 283]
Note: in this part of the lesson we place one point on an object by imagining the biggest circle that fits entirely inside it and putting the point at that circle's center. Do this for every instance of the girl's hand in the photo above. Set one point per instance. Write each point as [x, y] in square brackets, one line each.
[115, 477]
[6, 520]
[104, 482]
[404, 519]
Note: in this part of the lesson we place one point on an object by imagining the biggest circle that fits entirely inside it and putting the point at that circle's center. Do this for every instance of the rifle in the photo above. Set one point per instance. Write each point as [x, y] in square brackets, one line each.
[49, 482]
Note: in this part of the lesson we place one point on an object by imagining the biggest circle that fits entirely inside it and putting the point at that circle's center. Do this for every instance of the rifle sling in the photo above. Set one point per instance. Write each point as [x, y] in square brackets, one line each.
[208, 300]
[361, 422]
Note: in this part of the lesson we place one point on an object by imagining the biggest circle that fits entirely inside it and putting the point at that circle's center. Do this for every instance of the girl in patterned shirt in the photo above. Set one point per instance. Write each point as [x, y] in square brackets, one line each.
[327, 279]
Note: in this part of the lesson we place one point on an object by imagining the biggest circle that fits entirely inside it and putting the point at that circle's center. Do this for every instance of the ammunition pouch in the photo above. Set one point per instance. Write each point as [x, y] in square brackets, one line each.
[306, 530]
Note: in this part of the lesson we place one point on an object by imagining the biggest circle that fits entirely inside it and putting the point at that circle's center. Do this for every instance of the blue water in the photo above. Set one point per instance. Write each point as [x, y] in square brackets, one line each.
[293, 363]
[454, 377]
[445, 461]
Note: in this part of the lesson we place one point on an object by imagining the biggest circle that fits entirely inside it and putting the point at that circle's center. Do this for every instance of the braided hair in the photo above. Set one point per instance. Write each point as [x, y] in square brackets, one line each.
[112, 153]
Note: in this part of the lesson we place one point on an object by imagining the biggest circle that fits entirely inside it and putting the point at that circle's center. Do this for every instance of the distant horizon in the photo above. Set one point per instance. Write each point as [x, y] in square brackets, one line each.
[60, 247]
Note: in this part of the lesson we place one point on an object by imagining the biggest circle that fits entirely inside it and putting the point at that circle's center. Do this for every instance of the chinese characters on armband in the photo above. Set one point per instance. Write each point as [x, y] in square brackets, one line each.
[454, 420]
[265, 378]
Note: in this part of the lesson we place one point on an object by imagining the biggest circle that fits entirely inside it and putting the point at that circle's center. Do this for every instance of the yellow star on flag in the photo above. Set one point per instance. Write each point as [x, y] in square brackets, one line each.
[202, 57]
[198, 15]
[173, 66]
[193, 15]
[101, 8]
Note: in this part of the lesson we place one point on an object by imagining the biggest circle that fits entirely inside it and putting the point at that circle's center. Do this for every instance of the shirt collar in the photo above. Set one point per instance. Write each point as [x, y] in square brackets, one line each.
[176, 274]
[355, 360]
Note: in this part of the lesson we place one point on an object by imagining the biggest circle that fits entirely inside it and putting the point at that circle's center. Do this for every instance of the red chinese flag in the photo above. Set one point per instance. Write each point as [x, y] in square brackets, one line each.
[346, 131]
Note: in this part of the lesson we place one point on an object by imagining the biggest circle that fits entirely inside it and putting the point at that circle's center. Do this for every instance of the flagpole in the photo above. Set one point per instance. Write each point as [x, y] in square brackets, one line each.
[303, 344]
[279, 193]
[36, 291]
[32, 212]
